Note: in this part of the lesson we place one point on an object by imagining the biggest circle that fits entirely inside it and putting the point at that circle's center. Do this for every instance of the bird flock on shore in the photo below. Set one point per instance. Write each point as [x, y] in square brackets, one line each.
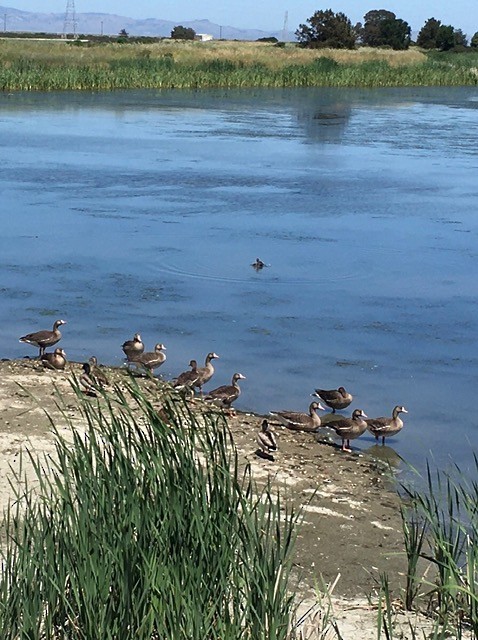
[94, 378]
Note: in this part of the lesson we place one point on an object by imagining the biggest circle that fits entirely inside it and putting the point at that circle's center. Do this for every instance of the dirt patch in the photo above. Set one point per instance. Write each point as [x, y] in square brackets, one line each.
[350, 521]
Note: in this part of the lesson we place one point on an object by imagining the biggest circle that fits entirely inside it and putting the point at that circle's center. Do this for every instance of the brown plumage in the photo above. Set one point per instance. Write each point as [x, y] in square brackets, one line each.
[187, 378]
[335, 398]
[266, 439]
[133, 348]
[97, 374]
[349, 428]
[151, 360]
[45, 338]
[55, 360]
[224, 396]
[87, 382]
[299, 421]
[386, 427]
[205, 373]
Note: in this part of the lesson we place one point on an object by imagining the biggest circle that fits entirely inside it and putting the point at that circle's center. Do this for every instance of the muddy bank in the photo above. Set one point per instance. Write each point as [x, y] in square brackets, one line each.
[351, 522]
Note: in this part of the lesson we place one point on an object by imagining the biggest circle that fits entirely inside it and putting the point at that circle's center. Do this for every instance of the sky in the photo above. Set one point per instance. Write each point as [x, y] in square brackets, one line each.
[269, 15]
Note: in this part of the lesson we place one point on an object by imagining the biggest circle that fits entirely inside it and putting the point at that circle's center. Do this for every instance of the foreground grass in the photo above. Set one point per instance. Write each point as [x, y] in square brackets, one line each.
[144, 528]
[51, 66]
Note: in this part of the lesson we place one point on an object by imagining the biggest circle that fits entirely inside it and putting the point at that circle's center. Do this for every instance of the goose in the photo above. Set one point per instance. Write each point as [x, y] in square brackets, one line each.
[87, 382]
[133, 348]
[298, 421]
[224, 396]
[187, 378]
[349, 428]
[386, 427]
[335, 398]
[258, 264]
[55, 360]
[205, 373]
[151, 360]
[266, 439]
[45, 338]
[99, 377]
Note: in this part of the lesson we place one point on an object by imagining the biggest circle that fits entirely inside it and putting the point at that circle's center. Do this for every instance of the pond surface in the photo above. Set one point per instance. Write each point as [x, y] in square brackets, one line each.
[143, 211]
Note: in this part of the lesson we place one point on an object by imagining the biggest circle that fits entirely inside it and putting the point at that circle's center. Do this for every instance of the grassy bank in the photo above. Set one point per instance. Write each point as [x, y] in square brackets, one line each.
[53, 66]
[142, 524]
[146, 529]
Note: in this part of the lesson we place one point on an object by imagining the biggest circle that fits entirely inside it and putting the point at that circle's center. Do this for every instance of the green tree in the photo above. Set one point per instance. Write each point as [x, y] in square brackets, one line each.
[459, 38]
[474, 41]
[382, 28]
[183, 33]
[327, 29]
[427, 36]
[122, 36]
[445, 37]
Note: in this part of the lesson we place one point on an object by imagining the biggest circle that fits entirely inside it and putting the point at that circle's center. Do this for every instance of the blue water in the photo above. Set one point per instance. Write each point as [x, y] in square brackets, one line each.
[142, 211]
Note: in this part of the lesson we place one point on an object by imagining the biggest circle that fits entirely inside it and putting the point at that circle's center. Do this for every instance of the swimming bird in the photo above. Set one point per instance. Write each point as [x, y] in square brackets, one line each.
[133, 348]
[151, 360]
[266, 440]
[335, 398]
[386, 427]
[187, 378]
[224, 396]
[298, 421]
[205, 373]
[98, 375]
[45, 338]
[55, 360]
[349, 428]
[258, 264]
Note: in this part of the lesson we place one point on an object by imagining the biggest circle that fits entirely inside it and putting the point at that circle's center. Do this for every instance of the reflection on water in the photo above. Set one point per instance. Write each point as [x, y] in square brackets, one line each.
[143, 211]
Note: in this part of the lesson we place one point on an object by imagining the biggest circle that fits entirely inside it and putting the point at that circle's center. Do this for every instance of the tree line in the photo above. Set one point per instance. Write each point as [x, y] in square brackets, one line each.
[380, 28]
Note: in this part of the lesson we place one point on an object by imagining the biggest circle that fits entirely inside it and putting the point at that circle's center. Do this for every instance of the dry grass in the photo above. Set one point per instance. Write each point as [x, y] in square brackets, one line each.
[187, 52]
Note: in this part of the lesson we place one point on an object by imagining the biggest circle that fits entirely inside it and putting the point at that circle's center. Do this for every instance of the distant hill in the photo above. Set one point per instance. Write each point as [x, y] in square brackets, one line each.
[110, 24]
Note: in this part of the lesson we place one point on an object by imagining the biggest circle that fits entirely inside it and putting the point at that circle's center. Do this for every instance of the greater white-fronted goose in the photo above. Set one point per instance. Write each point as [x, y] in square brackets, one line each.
[133, 348]
[386, 427]
[55, 360]
[187, 378]
[349, 428]
[225, 395]
[97, 374]
[45, 338]
[151, 360]
[266, 440]
[205, 373]
[298, 421]
[336, 399]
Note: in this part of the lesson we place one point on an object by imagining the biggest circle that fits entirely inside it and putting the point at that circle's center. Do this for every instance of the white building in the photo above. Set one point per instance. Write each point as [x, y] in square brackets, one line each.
[204, 37]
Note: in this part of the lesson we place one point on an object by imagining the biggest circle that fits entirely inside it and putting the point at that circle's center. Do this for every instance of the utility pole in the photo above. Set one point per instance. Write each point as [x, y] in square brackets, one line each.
[4, 21]
[220, 32]
[69, 25]
[285, 27]
[102, 27]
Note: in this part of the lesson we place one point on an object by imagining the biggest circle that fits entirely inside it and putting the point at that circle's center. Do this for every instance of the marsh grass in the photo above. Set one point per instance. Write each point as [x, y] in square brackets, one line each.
[441, 527]
[143, 527]
[49, 66]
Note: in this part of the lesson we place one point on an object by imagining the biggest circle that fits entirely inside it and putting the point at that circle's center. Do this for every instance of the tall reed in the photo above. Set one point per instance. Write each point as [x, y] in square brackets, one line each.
[443, 521]
[144, 527]
[55, 66]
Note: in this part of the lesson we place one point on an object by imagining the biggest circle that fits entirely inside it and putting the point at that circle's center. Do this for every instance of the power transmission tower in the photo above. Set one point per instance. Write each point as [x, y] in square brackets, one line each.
[285, 27]
[69, 26]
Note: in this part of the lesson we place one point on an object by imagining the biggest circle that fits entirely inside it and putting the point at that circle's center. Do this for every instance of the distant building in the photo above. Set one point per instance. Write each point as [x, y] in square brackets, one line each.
[203, 37]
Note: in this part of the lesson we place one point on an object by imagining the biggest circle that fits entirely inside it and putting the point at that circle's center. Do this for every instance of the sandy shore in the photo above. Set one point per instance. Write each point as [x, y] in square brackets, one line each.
[350, 531]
